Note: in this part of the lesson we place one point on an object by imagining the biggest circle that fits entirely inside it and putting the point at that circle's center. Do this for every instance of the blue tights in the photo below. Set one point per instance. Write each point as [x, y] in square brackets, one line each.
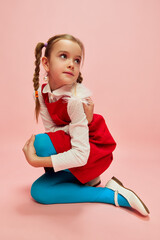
[63, 187]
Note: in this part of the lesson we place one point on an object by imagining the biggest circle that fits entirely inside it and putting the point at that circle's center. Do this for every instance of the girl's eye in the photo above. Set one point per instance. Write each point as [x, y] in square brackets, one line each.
[63, 56]
[77, 61]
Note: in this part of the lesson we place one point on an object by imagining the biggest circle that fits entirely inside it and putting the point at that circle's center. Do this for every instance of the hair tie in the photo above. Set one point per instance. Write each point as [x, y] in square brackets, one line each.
[45, 44]
[36, 94]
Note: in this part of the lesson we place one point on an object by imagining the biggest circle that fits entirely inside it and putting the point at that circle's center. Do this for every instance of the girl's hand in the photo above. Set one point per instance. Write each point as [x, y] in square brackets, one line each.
[88, 109]
[29, 151]
[31, 156]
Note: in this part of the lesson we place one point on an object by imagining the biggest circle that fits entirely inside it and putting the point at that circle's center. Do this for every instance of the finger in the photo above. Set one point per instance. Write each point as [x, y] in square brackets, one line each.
[25, 145]
[24, 148]
[89, 99]
[31, 142]
[31, 138]
[27, 142]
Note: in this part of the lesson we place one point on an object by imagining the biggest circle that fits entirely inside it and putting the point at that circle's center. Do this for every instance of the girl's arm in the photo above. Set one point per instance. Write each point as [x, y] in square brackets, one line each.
[78, 130]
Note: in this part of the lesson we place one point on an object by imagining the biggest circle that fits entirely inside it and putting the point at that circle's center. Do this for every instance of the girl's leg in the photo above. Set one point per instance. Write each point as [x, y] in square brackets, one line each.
[63, 187]
[44, 147]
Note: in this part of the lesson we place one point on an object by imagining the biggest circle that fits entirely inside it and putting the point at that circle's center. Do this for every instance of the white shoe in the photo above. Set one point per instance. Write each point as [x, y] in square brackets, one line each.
[132, 198]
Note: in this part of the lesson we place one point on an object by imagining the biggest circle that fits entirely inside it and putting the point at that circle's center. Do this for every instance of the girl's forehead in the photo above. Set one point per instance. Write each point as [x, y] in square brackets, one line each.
[68, 46]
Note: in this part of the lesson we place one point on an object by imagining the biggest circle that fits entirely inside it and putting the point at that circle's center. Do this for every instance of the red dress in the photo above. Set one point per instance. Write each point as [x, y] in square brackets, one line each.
[101, 142]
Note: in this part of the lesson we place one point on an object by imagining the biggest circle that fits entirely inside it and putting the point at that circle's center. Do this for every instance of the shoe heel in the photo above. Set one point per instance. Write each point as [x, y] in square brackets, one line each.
[116, 180]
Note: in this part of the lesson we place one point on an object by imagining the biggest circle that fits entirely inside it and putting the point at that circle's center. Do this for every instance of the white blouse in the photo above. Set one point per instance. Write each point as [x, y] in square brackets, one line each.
[78, 129]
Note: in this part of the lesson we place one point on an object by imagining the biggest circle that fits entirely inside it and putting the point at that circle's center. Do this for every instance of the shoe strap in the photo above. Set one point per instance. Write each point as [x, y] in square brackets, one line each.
[116, 198]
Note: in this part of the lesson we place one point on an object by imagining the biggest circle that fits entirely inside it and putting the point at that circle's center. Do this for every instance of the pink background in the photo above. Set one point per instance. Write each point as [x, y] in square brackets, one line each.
[122, 68]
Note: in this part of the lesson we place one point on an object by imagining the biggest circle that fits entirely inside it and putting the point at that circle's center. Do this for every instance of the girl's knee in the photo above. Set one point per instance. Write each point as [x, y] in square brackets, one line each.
[34, 189]
[39, 144]
[43, 145]
[37, 192]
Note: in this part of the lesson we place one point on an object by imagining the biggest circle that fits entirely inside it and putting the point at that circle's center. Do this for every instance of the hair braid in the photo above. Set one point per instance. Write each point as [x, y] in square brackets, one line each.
[38, 54]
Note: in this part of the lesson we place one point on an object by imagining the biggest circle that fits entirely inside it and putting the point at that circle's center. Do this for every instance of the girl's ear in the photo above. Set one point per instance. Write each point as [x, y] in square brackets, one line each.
[45, 63]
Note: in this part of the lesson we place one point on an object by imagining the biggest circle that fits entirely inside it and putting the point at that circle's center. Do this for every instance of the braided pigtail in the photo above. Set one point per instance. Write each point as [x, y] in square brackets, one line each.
[38, 54]
[80, 78]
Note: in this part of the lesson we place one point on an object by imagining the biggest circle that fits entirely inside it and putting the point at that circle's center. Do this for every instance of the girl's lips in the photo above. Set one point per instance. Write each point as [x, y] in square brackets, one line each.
[69, 73]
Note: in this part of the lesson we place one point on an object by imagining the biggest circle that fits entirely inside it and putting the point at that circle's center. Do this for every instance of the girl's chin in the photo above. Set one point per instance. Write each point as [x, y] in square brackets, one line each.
[67, 81]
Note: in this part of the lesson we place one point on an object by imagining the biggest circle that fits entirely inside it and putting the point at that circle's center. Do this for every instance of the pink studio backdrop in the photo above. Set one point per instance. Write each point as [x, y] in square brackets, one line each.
[121, 65]
[122, 69]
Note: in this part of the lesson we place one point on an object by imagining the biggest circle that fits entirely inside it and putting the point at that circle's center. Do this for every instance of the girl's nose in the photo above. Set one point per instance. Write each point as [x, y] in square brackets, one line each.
[71, 64]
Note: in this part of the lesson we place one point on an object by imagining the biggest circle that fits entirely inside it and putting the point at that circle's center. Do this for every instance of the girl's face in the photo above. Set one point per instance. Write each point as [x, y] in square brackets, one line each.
[63, 66]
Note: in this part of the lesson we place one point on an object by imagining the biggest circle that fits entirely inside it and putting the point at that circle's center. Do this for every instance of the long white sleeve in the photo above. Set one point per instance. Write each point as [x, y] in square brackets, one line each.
[79, 132]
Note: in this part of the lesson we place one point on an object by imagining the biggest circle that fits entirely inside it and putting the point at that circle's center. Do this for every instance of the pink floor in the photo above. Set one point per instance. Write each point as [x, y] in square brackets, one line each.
[22, 218]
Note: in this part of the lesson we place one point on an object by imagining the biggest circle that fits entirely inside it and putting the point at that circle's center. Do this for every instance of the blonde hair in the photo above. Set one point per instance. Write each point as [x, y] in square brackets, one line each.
[38, 53]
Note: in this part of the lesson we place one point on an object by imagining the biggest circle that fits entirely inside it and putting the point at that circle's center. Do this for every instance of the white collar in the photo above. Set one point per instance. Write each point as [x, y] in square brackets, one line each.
[77, 90]
[62, 91]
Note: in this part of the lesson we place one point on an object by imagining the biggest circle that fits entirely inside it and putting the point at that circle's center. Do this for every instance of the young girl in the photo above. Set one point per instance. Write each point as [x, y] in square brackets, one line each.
[77, 146]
